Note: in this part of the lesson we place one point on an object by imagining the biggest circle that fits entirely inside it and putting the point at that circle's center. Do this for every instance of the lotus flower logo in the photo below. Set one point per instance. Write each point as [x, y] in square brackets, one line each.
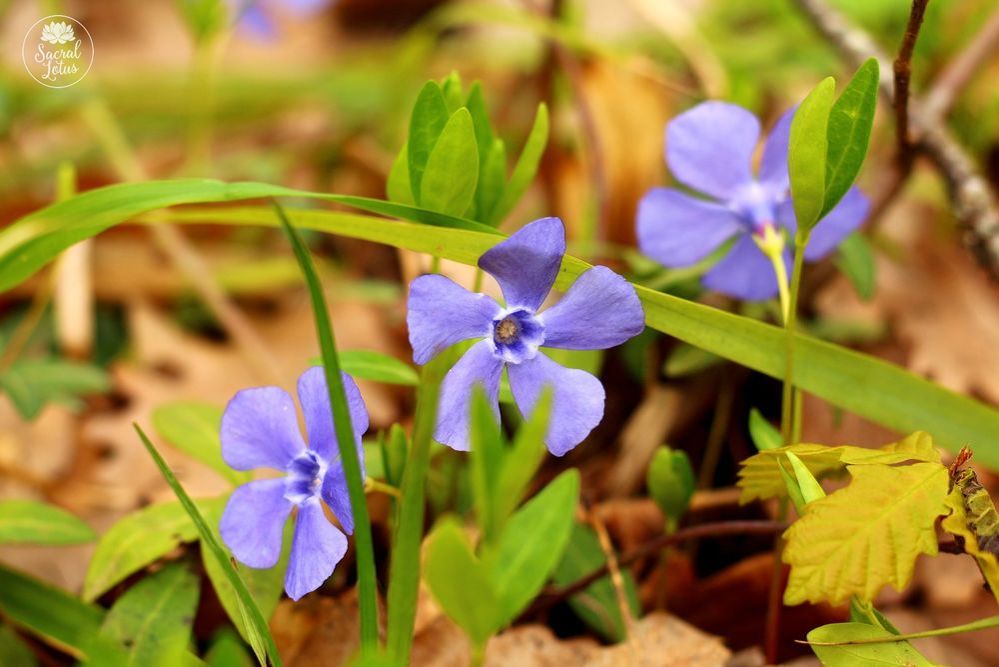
[58, 32]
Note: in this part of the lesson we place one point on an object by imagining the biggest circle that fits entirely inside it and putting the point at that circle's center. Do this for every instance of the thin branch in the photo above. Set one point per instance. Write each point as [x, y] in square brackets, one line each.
[178, 249]
[972, 200]
[903, 75]
[720, 529]
[952, 80]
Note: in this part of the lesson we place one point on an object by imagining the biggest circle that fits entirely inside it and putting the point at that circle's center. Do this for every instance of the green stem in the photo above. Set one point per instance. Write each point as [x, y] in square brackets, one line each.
[790, 422]
[349, 457]
[404, 568]
[199, 132]
[980, 624]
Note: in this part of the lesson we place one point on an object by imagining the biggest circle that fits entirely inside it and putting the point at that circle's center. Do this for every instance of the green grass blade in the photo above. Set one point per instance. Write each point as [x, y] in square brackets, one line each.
[263, 643]
[367, 585]
[404, 568]
[867, 386]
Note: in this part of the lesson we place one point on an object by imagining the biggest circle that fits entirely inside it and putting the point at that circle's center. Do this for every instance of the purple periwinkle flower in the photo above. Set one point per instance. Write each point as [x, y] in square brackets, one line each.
[257, 17]
[260, 430]
[600, 310]
[710, 150]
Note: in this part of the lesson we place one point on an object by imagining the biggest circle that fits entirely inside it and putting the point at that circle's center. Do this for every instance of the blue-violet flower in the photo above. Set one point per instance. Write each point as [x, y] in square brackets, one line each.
[710, 149]
[599, 311]
[258, 17]
[260, 430]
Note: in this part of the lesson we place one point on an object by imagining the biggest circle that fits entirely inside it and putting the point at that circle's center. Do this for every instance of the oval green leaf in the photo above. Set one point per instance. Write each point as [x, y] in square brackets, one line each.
[30, 522]
[193, 428]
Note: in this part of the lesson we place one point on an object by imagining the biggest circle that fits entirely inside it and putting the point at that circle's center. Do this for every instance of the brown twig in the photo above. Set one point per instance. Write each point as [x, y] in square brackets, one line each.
[614, 569]
[653, 546]
[956, 75]
[972, 200]
[598, 169]
[903, 76]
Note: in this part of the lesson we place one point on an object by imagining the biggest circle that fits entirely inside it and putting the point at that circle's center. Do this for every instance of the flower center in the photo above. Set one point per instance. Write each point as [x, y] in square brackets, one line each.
[305, 477]
[506, 330]
[517, 334]
[756, 205]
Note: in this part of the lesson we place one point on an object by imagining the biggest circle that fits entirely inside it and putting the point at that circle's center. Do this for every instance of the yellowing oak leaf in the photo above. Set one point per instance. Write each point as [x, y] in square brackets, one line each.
[759, 477]
[957, 524]
[866, 535]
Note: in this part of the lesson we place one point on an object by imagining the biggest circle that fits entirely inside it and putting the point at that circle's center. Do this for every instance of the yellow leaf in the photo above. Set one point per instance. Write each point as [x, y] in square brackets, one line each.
[759, 477]
[956, 524]
[858, 539]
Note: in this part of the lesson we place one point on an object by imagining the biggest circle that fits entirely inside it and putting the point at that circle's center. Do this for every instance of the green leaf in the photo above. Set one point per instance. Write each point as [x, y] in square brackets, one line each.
[452, 170]
[532, 545]
[470, 599]
[526, 168]
[864, 385]
[426, 123]
[397, 187]
[760, 479]
[31, 383]
[597, 604]
[487, 460]
[764, 434]
[193, 428]
[379, 367]
[261, 640]
[522, 461]
[265, 586]
[13, 650]
[793, 490]
[808, 486]
[344, 431]
[452, 90]
[867, 535]
[137, 540]
[154, 614]
[807, 150]
[855, 259]
[889, 653]
[227, 650]
[849, 132]
[395, 453]
[30, 522]
[476, 105]
[53, 615]
[492, 180]
[671, 482]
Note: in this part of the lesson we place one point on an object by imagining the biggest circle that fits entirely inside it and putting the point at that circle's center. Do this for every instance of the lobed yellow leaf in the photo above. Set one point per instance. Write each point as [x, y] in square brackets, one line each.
[856, 540]
[759, 477]
[956, 523]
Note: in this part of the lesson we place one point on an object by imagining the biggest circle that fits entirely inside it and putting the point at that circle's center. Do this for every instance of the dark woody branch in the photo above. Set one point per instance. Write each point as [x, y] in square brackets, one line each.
[972, 200]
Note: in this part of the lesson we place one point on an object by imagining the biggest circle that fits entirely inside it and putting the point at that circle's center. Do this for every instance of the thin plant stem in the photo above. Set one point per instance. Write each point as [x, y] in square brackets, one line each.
[788, 413]
[202, 92]
[771, 630]
[974, 626]
[349, 457]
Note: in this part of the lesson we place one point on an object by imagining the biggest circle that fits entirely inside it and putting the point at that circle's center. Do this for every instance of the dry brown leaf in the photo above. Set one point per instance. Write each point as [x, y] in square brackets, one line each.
[659, 640]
